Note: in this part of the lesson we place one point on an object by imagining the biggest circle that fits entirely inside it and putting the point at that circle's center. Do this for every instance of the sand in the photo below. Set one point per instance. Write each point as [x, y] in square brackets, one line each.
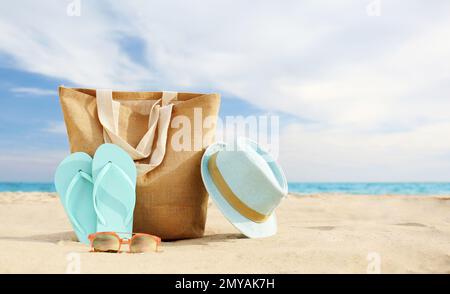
[317, 234]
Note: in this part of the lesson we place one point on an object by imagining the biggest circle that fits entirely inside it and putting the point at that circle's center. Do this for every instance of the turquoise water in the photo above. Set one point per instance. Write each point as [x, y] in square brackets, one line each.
[372, 188]
[27, 187]
[300, 188]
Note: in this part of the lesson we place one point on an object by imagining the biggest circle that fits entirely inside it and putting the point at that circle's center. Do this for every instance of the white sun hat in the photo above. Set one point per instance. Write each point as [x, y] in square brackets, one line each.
[246, 184]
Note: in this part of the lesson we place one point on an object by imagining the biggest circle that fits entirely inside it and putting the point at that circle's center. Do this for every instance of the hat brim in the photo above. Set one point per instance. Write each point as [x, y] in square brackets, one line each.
[247, 227]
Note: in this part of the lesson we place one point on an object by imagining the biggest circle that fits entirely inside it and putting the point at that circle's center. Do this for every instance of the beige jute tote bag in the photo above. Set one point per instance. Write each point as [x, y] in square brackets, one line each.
[166, 134]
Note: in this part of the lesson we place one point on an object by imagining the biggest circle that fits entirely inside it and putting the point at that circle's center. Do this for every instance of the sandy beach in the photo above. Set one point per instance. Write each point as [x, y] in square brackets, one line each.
[317, 234]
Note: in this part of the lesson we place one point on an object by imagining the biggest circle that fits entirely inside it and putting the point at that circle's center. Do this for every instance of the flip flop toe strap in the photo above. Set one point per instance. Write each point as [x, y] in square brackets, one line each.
[79, 176]
[97, 183]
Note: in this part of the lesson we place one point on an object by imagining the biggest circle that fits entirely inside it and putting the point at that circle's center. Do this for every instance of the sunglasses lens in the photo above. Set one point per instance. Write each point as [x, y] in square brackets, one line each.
[106, 243]
[143, 243]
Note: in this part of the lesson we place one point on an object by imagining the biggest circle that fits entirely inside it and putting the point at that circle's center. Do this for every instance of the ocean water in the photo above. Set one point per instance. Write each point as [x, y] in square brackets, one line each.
[299, 188]
[27, 187]
[372, 188]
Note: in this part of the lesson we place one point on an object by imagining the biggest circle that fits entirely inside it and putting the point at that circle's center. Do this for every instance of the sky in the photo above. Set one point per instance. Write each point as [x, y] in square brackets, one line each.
[361, 87]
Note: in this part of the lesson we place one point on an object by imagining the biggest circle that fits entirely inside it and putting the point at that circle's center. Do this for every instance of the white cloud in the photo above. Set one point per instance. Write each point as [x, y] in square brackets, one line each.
[33, 91]
[55, 128]
[421, 154]
[29, 164]
[376, 87]
[43, 39]
[399, 87]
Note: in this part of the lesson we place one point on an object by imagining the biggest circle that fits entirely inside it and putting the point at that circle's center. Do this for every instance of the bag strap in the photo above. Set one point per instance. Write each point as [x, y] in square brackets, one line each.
[159, 121]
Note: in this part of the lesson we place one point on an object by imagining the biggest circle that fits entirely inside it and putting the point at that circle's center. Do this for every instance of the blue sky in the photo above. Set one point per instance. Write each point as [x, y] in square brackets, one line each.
[361, 87]
[31, 123]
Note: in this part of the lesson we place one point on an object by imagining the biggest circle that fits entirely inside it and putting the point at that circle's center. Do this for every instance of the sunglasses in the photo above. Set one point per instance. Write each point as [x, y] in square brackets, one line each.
[111, 242]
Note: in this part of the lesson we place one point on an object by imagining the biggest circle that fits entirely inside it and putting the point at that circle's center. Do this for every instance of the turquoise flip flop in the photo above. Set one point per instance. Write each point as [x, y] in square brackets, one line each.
[114, 193]
[73, 182]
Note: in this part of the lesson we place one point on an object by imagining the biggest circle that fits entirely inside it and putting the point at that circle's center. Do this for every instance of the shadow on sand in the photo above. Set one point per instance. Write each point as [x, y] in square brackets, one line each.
[50, 238]
[70, 236]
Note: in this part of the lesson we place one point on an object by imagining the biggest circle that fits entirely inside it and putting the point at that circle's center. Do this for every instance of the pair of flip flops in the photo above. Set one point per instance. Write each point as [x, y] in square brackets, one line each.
[98, 193]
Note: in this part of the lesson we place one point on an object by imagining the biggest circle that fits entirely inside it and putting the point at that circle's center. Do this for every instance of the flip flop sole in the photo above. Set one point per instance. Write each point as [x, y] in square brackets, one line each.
[114, 174]
[78, 205]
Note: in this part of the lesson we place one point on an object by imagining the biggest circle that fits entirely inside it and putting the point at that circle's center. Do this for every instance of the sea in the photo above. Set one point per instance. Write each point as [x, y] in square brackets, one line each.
[298, 188]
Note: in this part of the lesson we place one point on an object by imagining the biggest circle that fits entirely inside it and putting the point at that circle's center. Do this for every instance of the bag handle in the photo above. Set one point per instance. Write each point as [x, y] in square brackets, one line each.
[158, 121]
